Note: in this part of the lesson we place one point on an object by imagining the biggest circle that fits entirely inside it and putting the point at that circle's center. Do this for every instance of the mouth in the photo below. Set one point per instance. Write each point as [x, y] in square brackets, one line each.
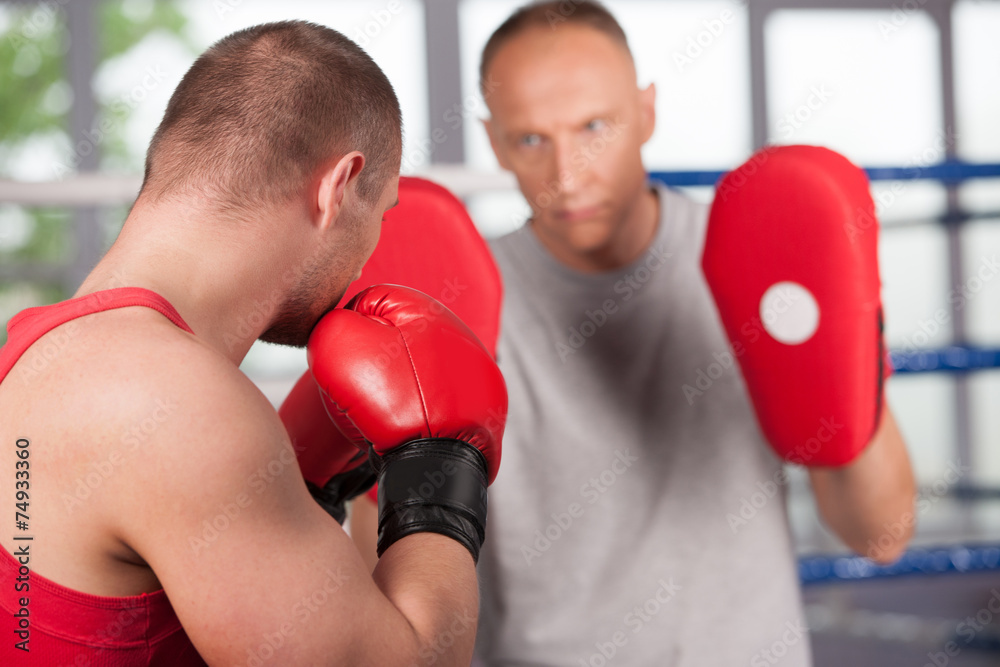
[577, 214]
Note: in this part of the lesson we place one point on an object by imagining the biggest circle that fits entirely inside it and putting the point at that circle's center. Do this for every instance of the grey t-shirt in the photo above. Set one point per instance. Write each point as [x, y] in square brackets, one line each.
[638, 517]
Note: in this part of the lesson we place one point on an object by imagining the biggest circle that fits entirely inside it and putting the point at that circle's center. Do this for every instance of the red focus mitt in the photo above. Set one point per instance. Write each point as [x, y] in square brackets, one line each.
[791, 259]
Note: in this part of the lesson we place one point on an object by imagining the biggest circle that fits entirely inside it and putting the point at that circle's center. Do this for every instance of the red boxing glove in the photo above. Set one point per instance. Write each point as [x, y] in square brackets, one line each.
[791, 259]
[430, 243]
[335, 470]
[402, 375]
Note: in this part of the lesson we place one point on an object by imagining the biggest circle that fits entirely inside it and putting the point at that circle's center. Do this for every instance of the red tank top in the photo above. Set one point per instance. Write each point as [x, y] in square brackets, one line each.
[66, 627]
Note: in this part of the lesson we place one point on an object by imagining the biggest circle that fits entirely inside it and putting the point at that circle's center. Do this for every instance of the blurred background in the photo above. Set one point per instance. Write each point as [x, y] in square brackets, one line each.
[906, 84]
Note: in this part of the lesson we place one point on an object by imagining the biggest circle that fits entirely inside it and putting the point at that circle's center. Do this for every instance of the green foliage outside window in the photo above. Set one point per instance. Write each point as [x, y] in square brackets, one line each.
[35, 102]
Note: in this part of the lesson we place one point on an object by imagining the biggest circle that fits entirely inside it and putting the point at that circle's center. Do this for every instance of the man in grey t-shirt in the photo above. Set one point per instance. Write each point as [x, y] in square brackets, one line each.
[611, 537]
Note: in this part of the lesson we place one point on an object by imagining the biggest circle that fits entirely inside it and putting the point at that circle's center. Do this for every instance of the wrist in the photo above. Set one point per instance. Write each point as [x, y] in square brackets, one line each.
[435, 485]
[341, 488]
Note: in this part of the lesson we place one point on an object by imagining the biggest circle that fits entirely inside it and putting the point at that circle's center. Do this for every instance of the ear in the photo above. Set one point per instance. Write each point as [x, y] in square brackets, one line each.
[336, 187]
[492, 131]
[647, 111]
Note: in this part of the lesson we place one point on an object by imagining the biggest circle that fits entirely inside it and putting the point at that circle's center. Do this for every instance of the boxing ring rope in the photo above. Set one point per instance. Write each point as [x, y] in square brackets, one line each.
[951, 171]
[916, 561]
[94, 189]
[955, 359]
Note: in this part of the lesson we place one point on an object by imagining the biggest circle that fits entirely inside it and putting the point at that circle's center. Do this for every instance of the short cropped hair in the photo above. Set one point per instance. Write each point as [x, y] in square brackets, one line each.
[551, 14]
[264, 108]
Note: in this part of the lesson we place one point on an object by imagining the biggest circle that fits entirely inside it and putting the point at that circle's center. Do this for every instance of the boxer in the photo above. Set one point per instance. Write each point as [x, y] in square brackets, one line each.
[166, 519]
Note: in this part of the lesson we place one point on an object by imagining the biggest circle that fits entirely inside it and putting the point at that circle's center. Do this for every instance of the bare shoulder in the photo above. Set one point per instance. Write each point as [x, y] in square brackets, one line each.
[132, 389]
[199, 437]
[186, 401]
[122, 380]
[128, 418]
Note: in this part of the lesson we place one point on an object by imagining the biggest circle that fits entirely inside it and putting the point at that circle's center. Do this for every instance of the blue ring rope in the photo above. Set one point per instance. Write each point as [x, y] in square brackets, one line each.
[950, 172]
[954, 359]
[921, 562]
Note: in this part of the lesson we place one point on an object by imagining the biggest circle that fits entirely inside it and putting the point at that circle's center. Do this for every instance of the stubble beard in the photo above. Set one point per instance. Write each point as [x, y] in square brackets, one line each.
[306, 304]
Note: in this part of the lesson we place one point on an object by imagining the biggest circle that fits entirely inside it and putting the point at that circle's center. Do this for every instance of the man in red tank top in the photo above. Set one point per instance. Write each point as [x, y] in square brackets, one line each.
[164, 519]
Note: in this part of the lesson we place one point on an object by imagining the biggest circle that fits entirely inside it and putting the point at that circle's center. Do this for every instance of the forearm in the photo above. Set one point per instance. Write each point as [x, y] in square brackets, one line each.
[431, 581]
[869, 502]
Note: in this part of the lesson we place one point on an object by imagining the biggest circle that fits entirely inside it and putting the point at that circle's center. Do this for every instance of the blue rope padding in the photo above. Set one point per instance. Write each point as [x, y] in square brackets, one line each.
[679, 179]
[955, 359]
[951, 172]
[941, 560]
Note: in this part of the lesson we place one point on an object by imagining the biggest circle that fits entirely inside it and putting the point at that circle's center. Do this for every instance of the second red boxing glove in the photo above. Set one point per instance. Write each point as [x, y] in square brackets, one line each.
[335, 470]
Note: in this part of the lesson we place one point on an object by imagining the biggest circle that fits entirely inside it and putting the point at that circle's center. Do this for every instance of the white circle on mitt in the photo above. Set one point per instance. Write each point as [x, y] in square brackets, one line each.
[789, 312]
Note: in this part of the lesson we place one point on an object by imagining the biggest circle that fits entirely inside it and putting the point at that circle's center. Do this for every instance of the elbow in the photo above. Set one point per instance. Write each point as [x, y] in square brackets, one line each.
[889, 555]
[888, 545]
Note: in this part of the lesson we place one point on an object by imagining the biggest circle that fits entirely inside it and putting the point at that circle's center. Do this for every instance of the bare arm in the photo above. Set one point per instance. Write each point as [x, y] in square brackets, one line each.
[364, 528]
[249, 560]
[869, 502]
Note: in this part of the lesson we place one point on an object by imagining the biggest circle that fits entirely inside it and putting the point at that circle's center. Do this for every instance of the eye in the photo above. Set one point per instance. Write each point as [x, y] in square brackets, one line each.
[530, 140]
[596, 125]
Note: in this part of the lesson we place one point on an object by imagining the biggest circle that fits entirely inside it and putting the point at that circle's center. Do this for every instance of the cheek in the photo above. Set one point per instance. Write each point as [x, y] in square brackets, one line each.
[533, 189]
[532, 172]
[373, 236]
[621, 162]
[367, 241]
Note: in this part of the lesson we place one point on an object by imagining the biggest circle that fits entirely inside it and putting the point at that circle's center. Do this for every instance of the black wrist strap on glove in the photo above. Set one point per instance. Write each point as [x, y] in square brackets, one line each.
[432, 486]
[342, 487]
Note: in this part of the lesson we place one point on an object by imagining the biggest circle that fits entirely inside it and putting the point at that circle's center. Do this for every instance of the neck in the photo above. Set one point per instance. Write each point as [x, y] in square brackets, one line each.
[220, 275]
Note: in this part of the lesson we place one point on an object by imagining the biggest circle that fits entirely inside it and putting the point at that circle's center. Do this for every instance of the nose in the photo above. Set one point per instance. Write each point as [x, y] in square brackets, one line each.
[567, 172]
